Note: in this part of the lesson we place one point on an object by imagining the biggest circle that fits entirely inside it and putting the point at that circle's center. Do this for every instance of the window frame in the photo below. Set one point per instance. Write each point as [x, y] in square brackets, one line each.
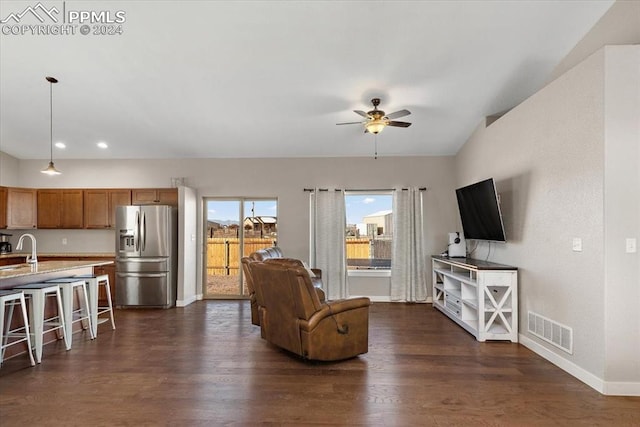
[367, 272]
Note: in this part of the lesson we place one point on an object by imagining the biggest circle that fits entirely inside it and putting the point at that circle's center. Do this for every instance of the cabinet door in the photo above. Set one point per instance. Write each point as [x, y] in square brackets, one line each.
[21, 208]
[49, 202]
[168, 196]
[109, 270]
[144, 196]
[154, 196]
[72, 212]
[96, 209]
[117, 198]
[3, 207]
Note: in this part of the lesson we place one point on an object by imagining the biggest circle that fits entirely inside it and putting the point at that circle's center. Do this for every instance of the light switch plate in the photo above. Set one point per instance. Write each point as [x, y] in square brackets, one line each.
[631, 245]
[577, 244]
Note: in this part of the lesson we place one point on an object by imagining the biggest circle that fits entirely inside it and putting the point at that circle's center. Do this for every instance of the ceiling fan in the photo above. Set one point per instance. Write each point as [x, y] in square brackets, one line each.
[377, 120]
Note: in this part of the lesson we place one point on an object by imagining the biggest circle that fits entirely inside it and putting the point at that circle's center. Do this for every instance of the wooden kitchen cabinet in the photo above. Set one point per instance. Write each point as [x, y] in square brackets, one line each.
[100, 206]
[3, 207]
[60, 208]
[21, 208]
[109, 270]
[154, 196]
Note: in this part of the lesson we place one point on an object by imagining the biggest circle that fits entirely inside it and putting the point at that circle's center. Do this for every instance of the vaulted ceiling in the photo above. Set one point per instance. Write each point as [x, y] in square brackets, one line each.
[190, 79]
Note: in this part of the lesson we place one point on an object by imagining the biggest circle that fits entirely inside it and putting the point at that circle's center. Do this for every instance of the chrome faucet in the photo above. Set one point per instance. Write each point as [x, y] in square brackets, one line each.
[33, 258]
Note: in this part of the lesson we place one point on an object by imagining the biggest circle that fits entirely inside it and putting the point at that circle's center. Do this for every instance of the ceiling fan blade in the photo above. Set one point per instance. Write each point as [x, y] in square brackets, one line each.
[362, 113]
[397, 114]
[399, 124]
[350, 123]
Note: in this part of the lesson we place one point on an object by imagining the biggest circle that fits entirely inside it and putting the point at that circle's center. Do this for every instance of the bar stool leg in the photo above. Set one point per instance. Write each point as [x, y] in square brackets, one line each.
[66, 333]
[84, 307]
[23, 306]
[67, 307]
[108, 289]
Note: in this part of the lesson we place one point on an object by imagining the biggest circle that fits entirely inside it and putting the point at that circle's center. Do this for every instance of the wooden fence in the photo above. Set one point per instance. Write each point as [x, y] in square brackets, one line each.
[223, 258]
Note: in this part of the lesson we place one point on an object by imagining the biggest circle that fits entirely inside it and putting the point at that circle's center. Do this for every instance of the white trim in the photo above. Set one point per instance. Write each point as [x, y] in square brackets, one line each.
[387, 298]
[622, 388]
[601, 386]
[186, 302]
[369, 273]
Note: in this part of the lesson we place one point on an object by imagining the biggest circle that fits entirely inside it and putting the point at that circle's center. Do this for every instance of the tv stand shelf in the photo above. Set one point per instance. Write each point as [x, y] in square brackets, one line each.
[480, 296]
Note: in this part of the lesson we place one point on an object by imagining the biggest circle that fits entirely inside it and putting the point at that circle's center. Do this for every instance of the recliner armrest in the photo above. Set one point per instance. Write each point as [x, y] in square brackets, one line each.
[333, 308]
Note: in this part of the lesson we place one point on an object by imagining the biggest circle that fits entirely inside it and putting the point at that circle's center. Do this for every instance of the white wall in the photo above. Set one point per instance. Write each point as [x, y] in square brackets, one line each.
[622, 216]
[284, 179]
[187, 246]
[548, 157]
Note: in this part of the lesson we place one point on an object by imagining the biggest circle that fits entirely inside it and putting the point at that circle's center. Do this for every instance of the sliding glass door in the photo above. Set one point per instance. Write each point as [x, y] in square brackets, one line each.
[235, 228]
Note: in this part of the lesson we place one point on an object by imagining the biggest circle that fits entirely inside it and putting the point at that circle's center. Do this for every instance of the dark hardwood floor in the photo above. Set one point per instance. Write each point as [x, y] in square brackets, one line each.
[207, 365]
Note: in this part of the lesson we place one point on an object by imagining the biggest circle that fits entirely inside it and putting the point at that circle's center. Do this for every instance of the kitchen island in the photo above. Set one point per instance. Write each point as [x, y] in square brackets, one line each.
[18, 274]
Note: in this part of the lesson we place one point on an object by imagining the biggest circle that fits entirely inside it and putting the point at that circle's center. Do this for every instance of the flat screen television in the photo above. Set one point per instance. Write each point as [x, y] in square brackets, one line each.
[480, 211]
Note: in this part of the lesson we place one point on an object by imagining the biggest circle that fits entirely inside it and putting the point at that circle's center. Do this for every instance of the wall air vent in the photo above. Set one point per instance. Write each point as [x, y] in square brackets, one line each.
[551, 331]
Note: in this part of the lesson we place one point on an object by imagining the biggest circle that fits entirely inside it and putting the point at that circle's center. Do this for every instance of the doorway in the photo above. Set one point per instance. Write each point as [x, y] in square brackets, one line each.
[234, 228]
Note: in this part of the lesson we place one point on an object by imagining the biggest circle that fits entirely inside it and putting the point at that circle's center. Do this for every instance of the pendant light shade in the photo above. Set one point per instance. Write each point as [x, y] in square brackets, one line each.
[51, 169]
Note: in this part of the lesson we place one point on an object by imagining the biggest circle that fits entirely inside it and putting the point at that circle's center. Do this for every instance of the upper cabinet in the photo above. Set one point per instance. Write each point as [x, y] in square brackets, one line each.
[100, 206]
[60, 208]
[3, 207]
[21, 208]
[154, 196]
[24, 208]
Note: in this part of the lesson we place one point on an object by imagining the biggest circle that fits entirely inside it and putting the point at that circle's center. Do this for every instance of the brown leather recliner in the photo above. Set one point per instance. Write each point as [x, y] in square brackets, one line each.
[273, 254]
[293, 317]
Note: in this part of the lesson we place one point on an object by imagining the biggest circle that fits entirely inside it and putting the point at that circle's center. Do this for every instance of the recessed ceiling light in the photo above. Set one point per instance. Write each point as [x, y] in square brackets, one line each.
[60, 145]
[102, 145]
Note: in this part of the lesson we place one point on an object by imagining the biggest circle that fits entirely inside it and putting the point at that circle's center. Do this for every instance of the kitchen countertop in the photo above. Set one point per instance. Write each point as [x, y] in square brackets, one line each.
[61, 255]
[19, 274]
[44, 267]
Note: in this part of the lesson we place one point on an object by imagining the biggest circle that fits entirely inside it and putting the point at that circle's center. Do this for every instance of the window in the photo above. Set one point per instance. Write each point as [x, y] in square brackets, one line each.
[369, 230]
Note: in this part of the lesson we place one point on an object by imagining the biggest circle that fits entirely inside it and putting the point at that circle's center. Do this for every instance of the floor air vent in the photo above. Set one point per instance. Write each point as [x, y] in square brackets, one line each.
[551, 331]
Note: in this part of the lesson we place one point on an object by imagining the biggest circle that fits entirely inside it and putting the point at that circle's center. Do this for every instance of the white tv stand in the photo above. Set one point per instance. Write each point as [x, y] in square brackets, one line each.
[480, 296]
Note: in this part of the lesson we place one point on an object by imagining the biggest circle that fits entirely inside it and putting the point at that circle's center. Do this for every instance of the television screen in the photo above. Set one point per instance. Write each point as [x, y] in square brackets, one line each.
[480, 211]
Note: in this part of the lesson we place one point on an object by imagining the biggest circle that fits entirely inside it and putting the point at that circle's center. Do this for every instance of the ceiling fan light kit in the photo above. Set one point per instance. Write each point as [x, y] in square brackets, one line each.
[376, 120]
[51, 169]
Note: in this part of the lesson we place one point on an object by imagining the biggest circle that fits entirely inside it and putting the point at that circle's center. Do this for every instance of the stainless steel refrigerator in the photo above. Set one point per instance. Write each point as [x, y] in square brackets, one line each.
[146, 256]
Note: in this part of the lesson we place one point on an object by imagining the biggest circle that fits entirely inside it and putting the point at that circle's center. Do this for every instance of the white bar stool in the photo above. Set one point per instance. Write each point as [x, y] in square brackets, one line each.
[14, 297]
[93, 284]
[69, 287]
[37, 293]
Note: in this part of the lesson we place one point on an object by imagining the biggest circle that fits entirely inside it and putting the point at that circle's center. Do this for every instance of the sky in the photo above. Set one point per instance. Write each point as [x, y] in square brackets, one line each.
[228, 210]
[358, 206]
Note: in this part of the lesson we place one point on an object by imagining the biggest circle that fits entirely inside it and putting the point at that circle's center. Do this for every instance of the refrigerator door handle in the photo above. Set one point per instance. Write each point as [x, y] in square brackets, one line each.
[136, 236]
[143, 231]
[141, 260]
[141, 274]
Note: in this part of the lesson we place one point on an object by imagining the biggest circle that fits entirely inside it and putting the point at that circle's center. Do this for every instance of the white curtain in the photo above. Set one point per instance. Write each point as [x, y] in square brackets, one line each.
[327, 251]
[408, 281]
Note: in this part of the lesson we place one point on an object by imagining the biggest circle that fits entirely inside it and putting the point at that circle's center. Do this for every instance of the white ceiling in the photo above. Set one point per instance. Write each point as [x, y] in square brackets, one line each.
[193, 79]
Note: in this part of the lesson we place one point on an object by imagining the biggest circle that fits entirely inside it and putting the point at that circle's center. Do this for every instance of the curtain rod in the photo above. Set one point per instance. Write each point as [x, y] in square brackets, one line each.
[363, 190]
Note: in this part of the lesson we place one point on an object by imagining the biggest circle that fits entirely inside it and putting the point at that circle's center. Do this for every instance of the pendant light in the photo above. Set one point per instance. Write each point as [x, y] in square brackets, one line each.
[51, 169]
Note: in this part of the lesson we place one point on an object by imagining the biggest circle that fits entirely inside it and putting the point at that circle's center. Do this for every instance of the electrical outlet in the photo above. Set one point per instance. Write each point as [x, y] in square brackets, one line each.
[64, 240]
[577, 244]
[631, 245]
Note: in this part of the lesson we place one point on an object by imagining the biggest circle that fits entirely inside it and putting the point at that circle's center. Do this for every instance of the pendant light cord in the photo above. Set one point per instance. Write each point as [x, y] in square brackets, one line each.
[375, 155]
[51, 121]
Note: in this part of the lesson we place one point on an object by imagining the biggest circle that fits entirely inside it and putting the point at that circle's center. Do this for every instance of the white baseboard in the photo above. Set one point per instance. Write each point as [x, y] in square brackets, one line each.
[598, 384]
[186, 302]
